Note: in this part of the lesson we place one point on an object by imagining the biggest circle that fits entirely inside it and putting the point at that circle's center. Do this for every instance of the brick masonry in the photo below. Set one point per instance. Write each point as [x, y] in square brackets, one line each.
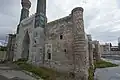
[61, 44]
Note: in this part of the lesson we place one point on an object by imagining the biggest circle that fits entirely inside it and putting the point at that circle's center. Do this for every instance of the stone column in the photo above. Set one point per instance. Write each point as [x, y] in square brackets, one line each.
[98, 58]
[90, 54]
[97, 51]
[90, 49]
[79, 46]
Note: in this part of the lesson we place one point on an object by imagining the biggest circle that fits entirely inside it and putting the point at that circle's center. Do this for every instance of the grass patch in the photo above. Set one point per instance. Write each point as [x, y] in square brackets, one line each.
[104, 64]
[91, 73]
[44, 73]
[99, 64]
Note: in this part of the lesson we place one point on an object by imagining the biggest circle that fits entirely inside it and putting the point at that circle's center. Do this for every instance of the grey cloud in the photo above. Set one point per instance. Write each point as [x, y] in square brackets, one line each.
[89, 16]
[10, 7]
[9, 10]
[105, 35]
[10, 14]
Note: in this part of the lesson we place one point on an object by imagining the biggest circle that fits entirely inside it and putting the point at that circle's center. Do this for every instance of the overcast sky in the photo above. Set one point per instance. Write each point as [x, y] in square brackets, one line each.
[101, 17]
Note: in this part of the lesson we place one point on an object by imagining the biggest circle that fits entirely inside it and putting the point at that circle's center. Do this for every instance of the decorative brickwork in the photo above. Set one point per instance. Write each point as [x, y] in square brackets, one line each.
[80, 45]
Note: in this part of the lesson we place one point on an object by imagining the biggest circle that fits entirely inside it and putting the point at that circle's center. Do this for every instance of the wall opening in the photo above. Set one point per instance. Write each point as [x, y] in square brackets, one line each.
[35, 41]
[61, 36]
[65, 50]
[48, 54]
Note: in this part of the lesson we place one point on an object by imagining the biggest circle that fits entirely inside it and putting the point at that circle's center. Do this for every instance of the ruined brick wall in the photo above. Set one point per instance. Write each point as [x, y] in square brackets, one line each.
[59, 35]
[71, 52]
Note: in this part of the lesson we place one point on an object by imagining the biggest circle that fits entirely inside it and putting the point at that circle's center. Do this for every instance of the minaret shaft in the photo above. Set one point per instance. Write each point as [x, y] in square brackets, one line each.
[24, 14]
[26, 4]
[40, 18]
[41, 7]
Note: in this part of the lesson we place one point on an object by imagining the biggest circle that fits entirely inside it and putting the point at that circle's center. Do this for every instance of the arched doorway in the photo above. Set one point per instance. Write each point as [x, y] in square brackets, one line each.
[25, 46]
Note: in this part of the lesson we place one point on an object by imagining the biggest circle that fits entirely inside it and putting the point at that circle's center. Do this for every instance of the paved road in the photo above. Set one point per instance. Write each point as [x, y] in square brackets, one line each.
[3, 78]
[112, 73]
[9, 73]
[108, 74]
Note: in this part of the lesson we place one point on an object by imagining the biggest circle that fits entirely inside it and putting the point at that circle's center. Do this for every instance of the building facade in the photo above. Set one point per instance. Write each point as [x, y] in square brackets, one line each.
[61, 44]
[115, 48]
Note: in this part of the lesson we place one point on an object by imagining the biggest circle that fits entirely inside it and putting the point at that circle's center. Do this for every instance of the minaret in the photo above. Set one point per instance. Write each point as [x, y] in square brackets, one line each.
[40, 18]
[26, 4]
[41, 7]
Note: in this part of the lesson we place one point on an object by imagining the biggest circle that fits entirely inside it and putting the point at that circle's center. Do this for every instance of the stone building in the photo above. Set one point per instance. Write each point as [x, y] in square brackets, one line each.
[61, 44]
[114, 48]
[101, 49]
[96, 50]
[106, 48]
[11, 47]
[90, 49]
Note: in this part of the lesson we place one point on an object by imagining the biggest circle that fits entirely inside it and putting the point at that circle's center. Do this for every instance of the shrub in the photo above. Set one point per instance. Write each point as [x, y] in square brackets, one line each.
[3, 48]
[91, 73]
